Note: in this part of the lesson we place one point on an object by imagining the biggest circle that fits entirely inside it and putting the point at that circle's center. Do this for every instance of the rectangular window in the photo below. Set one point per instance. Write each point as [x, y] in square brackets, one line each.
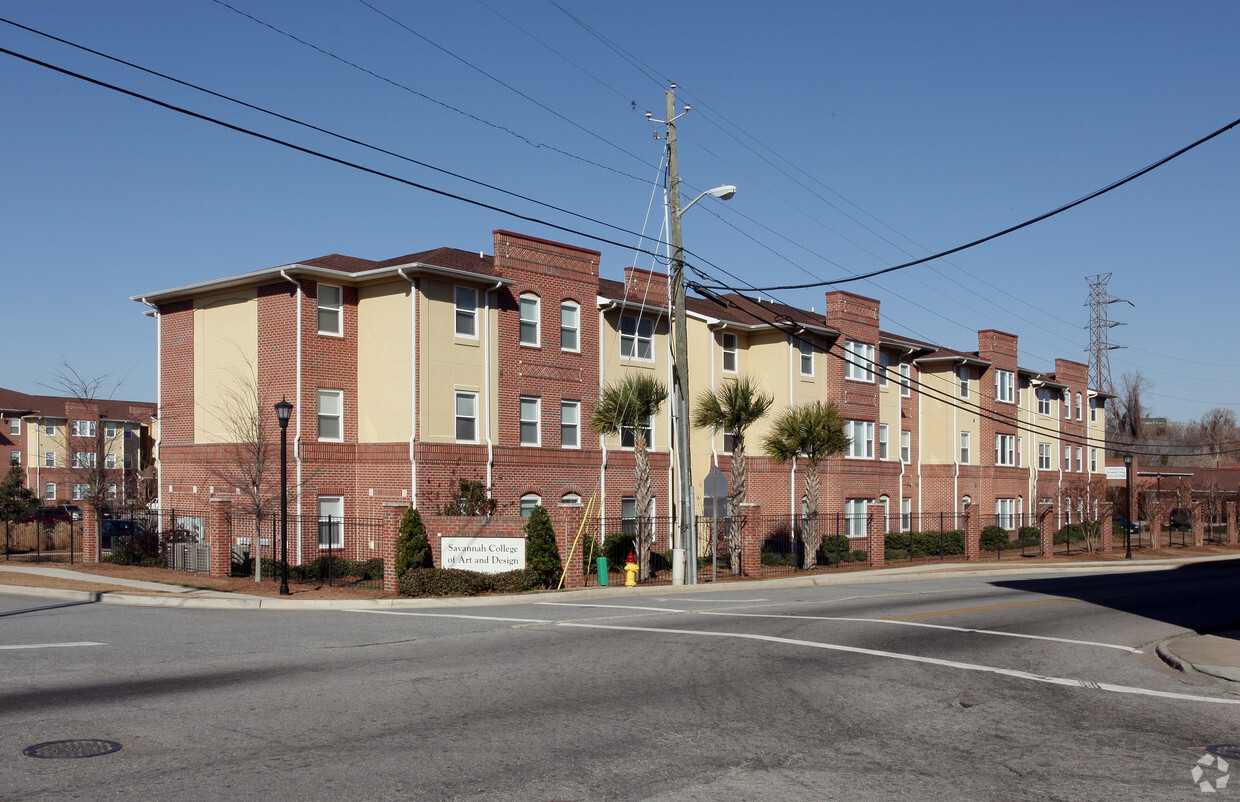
[331, 522]
[1005, 513]
[1067, 405]
[855, 514]
[1044, 456]
[466, 299]
[1080, 411]
[807, 356]
[531, 415]
[637, 337]
[49, 491]
[330, 303]
[15, 458]
[49, 428]
[1044, 401]
[628, 514]
[627, 439]
[1093, 410]
[1067, 458]
[1005, 386]
[570, 424]
[529, 320]
[109, 429]
[729, 442]
[1005, 449]
[128, 462]
[964, 448]
[466, 417]
[84, 459]
[727, 344]
[1093, 460]
[963, 374]
[109, 461]
[331, 415]
[15, 426]
[49, 459]
[906, 447]
[79, 491]
[112, 491]
[861, 439]
[858, 361]
[882, 441]
[570, 326]
[906, 384]
[83, 428]
[1080, 460]
[906, 514]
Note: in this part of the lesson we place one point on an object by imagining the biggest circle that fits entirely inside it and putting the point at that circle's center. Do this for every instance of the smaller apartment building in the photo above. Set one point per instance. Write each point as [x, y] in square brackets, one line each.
[56, 440]
[410, 374]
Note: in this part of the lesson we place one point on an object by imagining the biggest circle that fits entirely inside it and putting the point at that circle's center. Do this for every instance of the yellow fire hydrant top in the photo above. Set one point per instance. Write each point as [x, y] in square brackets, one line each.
[630, 571]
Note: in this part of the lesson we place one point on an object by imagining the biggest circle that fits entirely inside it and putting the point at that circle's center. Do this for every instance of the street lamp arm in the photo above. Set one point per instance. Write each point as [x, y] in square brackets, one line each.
[725, 192]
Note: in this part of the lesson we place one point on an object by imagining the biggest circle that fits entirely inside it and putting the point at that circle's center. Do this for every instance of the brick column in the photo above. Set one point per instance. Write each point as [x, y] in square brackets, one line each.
[387, 544]
[218, 536]
[972, 536]
[567, 527]
[1155, 509]
[751, 542]
[89, 534]
[1046, 530]
[876, 541]
[1230, 507]
[1106, 515]
[1199, 520]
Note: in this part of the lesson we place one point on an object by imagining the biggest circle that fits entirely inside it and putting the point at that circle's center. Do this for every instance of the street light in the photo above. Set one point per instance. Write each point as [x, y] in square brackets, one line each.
[283, 411]
[1128, 496]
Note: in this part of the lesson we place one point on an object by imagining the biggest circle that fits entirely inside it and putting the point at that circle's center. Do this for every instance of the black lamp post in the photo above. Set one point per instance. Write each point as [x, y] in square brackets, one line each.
[283, 411]
[1128, 496]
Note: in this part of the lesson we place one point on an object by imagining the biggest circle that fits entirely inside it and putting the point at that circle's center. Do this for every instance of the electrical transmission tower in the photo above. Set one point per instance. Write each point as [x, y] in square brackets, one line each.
[1099, 325]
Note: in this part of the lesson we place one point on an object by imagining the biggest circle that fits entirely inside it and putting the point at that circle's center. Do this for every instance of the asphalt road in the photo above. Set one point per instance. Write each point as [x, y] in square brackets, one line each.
[1018, 688]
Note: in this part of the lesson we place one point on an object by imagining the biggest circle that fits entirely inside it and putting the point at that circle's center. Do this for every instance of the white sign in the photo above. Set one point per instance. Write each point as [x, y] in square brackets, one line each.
[1116, 472]
[487, 555]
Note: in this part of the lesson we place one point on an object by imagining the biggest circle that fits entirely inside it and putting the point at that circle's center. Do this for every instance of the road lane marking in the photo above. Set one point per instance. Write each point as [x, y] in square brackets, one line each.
[1006, 672]
[51, 645]
[613, 607]
[928, 626]
[713, 601]
[982, 608]
[456, 615]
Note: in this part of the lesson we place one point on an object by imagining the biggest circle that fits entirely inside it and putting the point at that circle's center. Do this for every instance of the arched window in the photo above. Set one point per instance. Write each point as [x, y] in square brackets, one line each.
[570, 500]
[530, 316]
[528, 502]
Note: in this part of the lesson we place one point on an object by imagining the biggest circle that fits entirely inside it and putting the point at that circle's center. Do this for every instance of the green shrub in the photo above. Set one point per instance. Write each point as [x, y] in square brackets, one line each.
[924, 544]
[897, 554]
[413, 547]
[542, 555]
[1072, 533]
[833, 549]
[521, 580]
[995, 538]
[860, 555]
[1029, 536]
[772, 558]
[441, 582]
[617, 545]
[897, 541]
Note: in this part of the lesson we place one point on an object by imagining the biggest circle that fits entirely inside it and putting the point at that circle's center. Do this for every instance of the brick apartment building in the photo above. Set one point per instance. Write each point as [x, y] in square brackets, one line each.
[409, 374]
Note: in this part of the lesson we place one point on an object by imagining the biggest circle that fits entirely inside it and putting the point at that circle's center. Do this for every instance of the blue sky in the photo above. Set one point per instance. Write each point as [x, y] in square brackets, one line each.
[861, 135]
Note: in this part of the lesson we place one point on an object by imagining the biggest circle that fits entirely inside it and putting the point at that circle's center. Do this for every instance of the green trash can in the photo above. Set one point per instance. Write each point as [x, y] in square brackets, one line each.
[602, 571]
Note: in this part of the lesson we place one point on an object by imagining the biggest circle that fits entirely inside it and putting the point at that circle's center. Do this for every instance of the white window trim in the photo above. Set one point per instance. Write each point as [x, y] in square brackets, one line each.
[1045, 457]
[575, 328]
[636, 339]
[906, 446]
[1005, 450]
[468, 311]
[858, 361]
[729, 351]
[648, 429]
[529, 497]
[320, 394]
[906, 380]
[49, 428]
[457, 417]
[882, 441]
[864, 443]
[854, 519]
[966, 450]
[806, 348]
[319, 306]
[522, 321]
[1005, 386]
[576, 426]
[336, 531]
[1043, 397]
[15, 426]
[906, 514]
[49, 459]
[962, 380]
[522, 404]
[884, 368]
[49, 491]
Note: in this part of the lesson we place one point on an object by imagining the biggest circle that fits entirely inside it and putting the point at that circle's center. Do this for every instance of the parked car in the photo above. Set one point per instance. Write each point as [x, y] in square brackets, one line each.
[51, 515]
[112, 528]
[1181, 519]
[1126, 525]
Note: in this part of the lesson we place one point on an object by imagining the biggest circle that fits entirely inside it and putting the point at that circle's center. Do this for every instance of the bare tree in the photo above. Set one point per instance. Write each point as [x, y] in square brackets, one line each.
[1130, 411]
[1083, 500]
[93, 482]
[1215, 434]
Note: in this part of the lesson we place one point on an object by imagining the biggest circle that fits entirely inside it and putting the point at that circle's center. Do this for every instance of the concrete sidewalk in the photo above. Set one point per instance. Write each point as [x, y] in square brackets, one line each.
[1217, 655]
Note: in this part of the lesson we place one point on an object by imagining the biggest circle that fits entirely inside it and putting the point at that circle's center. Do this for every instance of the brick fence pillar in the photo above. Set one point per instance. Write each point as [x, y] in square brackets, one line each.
[1046, 530]
[972, 536]
[1106, 517]
[90, 533]
[218, 536]
[567, 529]
[392, 516]
[876, 541]
[1230, 507]
[1156, 523]
[751, 541]
[1199, 528]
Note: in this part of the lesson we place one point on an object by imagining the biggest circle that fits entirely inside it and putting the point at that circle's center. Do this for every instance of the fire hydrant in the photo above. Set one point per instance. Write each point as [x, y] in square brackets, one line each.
[630, 571]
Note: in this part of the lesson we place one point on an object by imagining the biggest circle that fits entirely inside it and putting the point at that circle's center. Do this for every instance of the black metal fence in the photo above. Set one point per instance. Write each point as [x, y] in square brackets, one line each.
[337, 552]
[43, 537]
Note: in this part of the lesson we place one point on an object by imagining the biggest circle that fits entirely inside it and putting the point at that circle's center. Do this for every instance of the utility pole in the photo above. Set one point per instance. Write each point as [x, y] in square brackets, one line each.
[680, 349]
[1099, 347]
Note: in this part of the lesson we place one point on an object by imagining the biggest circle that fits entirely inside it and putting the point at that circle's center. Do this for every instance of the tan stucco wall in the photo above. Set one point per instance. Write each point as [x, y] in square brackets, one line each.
[225, 360]
[384, 363]
[450, 363]
[941, 421]
[613, 367]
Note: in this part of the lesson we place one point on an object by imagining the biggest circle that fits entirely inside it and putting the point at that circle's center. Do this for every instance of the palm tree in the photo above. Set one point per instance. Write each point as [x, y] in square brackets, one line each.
[629, 405]
[736, 406]
[813, 432]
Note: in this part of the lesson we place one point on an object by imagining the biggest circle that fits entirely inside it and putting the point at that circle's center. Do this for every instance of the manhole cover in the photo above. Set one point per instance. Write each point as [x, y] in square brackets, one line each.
[1228, 751]
[89, 747]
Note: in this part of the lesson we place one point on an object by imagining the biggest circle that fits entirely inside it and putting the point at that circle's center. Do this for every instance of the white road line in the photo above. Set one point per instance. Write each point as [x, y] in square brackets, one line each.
[456, 615]
[928, 626]
[614, 607]
[51, 645]
[1006, 672]
[712, 601]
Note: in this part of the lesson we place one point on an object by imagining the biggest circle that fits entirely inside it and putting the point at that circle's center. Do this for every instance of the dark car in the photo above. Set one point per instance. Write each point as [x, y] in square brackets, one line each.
[110, 529]
[1127, 526]
[1181, 519]
[60, 512]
